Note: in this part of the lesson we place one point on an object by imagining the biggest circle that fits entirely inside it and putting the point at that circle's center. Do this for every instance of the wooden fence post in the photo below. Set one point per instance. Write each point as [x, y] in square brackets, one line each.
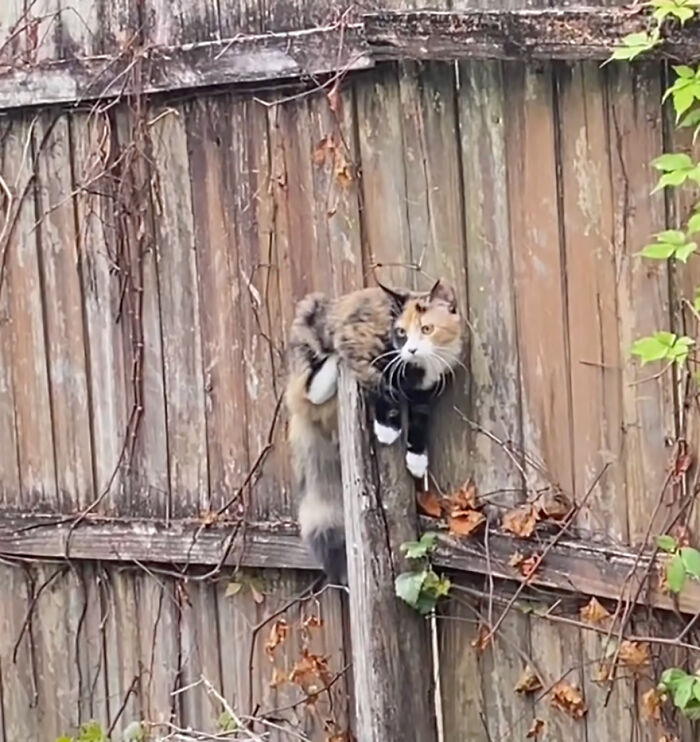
[390, 642]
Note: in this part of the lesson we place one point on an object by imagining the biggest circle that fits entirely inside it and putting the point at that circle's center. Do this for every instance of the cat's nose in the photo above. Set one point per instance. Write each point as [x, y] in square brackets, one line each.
[412, 351]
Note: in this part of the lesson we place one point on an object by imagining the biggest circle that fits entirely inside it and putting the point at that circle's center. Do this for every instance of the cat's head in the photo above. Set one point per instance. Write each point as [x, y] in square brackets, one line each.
[428, 330]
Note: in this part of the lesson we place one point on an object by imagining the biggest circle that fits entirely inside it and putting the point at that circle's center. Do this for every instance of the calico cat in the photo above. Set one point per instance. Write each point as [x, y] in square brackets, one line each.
[401, 346]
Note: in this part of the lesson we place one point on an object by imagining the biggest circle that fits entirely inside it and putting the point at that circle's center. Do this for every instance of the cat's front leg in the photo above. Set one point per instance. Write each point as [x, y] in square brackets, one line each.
[417, 436]
[387, 418]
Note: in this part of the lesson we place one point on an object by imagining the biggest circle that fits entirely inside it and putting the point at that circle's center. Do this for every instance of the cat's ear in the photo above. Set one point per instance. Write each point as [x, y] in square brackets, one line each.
[443, 292]
[396, 294]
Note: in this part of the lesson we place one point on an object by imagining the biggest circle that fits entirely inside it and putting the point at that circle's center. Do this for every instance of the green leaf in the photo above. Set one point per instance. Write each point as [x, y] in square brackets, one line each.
[691, 561]
[684, 691]
[692, 118]
[408, 586]
[673, 236]
[91, 731]
[685, 251]
[672, 161]
[634, 44]
[682, 70]
[671, 677]
[421, 548]
[226, 722]
[63, 739]
[658, 251]
[694, 223]
[233, 588]
[680, 349]
[666, 543]
[675, 574]
[654, 347]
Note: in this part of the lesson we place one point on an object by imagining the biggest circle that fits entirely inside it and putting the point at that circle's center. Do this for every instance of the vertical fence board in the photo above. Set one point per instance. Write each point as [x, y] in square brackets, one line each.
[61, 284]
[219, 300]
[179, 316]
[28, 349]
[96, 210]
[635, 128]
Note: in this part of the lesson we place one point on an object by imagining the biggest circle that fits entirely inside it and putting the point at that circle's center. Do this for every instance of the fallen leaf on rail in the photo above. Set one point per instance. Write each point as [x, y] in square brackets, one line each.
[464, 498]
[568, 699]
[279, 677]
[535, 729]
[529, 565]
[278, 633]
[528, 681]
[465, 522]
[516, 559]
[634, 655]
[521, 521]
[651, 705]
[429, 504]
[593, 612]
[554, 505]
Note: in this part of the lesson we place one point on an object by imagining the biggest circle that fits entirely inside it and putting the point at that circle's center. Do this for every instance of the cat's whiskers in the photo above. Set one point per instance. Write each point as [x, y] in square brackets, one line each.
[452, 358]
[393, 351]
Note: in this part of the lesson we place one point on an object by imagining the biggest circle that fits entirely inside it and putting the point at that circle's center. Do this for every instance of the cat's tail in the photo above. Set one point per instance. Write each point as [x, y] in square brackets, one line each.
[311, 403]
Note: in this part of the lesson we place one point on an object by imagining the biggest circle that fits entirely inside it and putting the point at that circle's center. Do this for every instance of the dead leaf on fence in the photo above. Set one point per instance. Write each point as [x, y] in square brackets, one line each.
[312, 622]
[521, 521]
[529, 565]
[429, 504]
[342, 169]
[482, 639]
[322, 149]
[278, 633]
[464, 498]
[308, 669]
[465, 522]
[681, 533]
[593, 612]
[528, 681]
[568, 699]
[554, 505]
[535, 729]
[651, 705]
[279, 677]
[334, 100]
[516, 559]
[634, 655]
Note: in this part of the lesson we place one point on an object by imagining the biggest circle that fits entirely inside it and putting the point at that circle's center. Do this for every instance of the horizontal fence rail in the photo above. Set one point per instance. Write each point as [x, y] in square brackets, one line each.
[565, 34]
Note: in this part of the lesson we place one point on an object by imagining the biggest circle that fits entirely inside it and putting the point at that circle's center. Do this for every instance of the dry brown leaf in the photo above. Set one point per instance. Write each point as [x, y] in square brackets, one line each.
[278, 678]
[669, 738]
[529, 565]
[554, 505]
[681, 533]
[568, 699]
[429, 504]
[593, 612]
[521, 521]
[334, 100]
[651, 705]
[278, 633]
[312, 622]
[482, 639]
[464, 498]
[464, 522]
[322, 148]
[528, 681]
[634, 655]
[603, 673]
[535, 729]
[309, 668]
[516, 559]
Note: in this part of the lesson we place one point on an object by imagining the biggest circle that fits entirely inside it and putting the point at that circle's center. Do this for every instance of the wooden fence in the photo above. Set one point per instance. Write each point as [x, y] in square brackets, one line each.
[175, 176]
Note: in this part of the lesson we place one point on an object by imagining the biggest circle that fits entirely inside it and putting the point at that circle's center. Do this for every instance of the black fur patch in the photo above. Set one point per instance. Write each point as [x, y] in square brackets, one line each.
[328, 546]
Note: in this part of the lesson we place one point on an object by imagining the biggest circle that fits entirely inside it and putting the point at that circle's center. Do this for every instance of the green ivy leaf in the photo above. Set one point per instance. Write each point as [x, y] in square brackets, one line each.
[421, 548]
[682, 70]
[634, 44]
[692, 118]
[670, 678]
[694, 223]
[226, 722]
[683, 691]
[408, 586]
[685, 90]
[691, 561]
[666, 543]
[680, 349]
[658, 251]
[654, 347]
[672, 161]
[233, 588]
[685, 251]
[675, 574]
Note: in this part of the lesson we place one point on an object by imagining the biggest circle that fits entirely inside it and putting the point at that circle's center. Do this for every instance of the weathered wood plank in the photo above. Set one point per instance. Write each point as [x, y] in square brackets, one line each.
[635, 125]
[32, 397]
[179, 299]
[294, 55]
[532, 33]
[390, 642]
[594, 343]
[65, 332]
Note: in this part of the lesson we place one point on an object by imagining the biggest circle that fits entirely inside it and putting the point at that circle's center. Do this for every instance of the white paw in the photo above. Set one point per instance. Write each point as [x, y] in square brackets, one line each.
[417, 464]
[325, 382]
[385, 434]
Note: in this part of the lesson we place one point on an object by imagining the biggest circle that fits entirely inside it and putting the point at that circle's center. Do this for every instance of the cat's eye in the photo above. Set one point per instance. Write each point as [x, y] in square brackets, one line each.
[400, 332]
[426, 329]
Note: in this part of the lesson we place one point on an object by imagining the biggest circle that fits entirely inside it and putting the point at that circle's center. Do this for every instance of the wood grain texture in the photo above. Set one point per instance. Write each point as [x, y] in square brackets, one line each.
[179, 298]
[390, 643]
